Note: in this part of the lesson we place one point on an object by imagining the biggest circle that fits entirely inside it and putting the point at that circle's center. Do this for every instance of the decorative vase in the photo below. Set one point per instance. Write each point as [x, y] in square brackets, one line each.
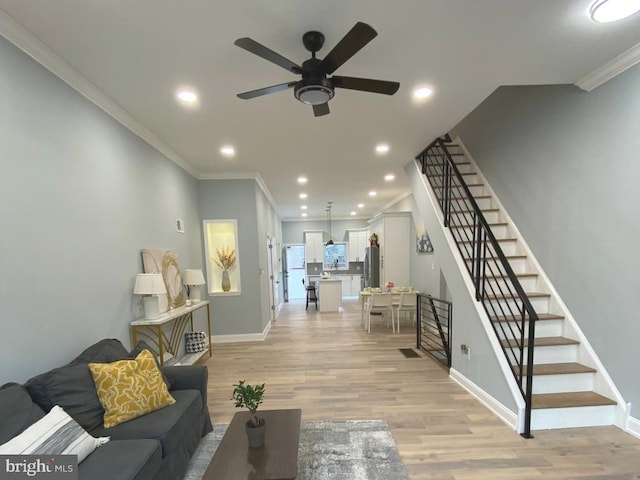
[255, 435]
[226, 283]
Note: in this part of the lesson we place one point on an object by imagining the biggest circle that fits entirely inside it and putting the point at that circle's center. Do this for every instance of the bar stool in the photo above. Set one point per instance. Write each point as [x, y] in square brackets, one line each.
[311, 294]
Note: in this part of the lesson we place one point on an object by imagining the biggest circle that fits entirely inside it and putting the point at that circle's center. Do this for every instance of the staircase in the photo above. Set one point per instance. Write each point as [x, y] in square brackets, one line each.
[557, 372]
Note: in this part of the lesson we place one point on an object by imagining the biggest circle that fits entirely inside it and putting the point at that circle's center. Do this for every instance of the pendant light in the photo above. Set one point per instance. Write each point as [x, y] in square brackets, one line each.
[330, 242]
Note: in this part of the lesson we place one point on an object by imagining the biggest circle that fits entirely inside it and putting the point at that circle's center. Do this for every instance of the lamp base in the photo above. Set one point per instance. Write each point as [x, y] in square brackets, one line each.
[194, 294]
[151, 307]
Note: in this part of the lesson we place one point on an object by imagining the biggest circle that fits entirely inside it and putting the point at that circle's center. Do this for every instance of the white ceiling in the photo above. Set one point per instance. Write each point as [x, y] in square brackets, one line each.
[137, 53]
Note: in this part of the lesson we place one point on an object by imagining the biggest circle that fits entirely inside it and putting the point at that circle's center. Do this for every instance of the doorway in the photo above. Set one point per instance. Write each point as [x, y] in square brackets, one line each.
[274, 282]
[295, 271]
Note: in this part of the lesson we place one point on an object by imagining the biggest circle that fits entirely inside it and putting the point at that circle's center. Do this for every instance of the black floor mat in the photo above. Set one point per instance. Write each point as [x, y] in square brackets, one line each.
[410, 353]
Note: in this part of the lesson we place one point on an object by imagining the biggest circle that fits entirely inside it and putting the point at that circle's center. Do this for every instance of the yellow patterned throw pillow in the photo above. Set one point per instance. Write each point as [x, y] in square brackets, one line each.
[130, 388]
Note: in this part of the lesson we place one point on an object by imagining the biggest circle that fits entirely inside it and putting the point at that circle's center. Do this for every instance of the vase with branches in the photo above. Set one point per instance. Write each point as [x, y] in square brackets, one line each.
[225, 259]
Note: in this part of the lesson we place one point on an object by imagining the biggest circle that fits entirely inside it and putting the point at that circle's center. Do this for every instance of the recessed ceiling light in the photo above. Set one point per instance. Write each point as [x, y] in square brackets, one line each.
[302, 196]
[304, 214]
[353, 213]
[302, 180]
[604, 11]
[382, 148]
[421, 93]
[389, 178]
[303, 207]
[372, 193]
[228, 151]
[361, 205]
[187, 96]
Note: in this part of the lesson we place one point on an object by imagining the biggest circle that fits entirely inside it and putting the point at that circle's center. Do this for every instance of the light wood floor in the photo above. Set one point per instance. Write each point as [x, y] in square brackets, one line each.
[328, 366]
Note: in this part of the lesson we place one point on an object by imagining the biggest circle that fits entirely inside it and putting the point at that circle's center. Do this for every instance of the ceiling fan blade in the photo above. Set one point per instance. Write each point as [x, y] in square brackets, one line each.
[365, 84]
[321, 109]
[266, 90]
[351, 43]
[262, 51]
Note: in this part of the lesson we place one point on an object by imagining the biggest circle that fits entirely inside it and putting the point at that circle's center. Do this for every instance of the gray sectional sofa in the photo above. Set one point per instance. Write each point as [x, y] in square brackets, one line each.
[155, 446]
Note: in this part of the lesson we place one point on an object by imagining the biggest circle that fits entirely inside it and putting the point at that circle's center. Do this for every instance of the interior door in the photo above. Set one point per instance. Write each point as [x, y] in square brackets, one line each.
[296, 270]
[273, 278]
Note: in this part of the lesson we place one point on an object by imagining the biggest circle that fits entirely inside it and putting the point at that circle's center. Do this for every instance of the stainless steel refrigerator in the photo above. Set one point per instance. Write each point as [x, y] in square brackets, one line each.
[372, 267]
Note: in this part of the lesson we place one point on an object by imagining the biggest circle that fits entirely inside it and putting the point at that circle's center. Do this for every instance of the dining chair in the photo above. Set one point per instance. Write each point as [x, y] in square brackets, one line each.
[407, 304]
[380, 303]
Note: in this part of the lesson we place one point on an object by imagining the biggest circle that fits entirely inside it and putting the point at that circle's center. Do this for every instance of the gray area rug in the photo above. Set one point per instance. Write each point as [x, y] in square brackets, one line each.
[350, 450]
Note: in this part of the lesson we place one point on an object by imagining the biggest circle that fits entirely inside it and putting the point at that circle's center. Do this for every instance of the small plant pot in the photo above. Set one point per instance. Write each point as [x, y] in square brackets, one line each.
[255, 435]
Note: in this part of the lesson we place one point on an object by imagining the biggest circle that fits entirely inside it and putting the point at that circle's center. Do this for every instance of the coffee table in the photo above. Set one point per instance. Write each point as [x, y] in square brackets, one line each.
[276, 460]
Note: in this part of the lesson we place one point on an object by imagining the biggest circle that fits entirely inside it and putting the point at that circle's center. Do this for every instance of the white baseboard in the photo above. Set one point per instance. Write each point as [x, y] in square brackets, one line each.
[633, 426]
[503, 413]
[242, 337]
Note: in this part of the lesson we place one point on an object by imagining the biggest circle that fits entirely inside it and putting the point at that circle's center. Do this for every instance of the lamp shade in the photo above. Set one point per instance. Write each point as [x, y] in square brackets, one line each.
[192, 277]
[149, 284]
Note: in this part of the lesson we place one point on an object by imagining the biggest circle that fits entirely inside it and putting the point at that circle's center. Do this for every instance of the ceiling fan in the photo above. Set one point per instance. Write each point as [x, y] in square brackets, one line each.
[316, 87]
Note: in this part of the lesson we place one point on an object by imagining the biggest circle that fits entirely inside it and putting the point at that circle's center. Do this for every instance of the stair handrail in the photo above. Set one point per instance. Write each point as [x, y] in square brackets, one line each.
[478, 277]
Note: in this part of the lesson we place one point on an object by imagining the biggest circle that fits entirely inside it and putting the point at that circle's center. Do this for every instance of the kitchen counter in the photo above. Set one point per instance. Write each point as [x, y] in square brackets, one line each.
[329, 294]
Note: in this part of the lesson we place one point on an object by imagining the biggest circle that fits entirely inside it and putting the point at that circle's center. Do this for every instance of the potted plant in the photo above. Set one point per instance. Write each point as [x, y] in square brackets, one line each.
[251, 397]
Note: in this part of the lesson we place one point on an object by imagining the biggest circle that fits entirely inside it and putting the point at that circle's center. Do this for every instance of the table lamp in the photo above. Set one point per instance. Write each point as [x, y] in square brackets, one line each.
[150, 285]
[192, 279]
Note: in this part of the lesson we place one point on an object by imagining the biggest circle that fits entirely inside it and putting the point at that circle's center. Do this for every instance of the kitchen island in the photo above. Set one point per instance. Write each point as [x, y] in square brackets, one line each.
[329, 294]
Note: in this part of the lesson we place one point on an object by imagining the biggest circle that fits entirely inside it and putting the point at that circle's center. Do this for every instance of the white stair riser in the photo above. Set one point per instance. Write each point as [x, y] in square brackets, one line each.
[574, 382]
[474, 189]
[527, 283]
[462, 166]
[543, 419]
[499, 231]
[539, 304]
[554, 354]
[546, 328]
[468, 218]
[518, 265]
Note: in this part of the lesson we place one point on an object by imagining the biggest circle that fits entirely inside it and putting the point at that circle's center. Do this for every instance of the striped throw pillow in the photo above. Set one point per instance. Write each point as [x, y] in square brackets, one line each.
[54, 434]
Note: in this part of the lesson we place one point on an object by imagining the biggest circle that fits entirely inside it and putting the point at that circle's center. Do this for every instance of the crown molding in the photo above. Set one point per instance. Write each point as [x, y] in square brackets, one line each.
[25, 41]
[610, 69]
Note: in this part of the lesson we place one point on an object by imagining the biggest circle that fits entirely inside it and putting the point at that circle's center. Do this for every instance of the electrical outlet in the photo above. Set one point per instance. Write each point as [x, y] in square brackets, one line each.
[465, 350]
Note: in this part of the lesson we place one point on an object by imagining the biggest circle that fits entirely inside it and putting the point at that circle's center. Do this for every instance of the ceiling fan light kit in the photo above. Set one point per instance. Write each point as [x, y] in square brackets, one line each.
[316, 87]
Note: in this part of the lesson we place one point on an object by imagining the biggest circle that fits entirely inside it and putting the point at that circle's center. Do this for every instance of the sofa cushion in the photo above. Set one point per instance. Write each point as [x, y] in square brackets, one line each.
[54, 434]
[17, 411]
[169, 424]
[130, 388]
[123, 459]
[72, 388]
[105, 351]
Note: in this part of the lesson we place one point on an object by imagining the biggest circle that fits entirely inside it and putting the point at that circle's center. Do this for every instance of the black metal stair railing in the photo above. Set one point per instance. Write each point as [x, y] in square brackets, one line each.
[434, 328]
[496, 285]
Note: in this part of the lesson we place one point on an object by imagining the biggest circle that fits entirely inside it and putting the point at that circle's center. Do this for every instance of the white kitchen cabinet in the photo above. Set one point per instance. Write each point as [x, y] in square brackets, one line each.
[358, 242]
[394, 238]
[356, 285]
[314, 247]
[346, 285]
[350, 284]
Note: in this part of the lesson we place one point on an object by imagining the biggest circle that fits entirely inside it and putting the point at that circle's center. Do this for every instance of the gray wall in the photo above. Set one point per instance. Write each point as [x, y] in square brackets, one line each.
[564, 163]
[236, 199]
[80, 196]
[269, 228]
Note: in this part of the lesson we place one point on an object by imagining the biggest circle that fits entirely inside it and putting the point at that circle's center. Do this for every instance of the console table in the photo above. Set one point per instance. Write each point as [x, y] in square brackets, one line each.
[169, 341]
